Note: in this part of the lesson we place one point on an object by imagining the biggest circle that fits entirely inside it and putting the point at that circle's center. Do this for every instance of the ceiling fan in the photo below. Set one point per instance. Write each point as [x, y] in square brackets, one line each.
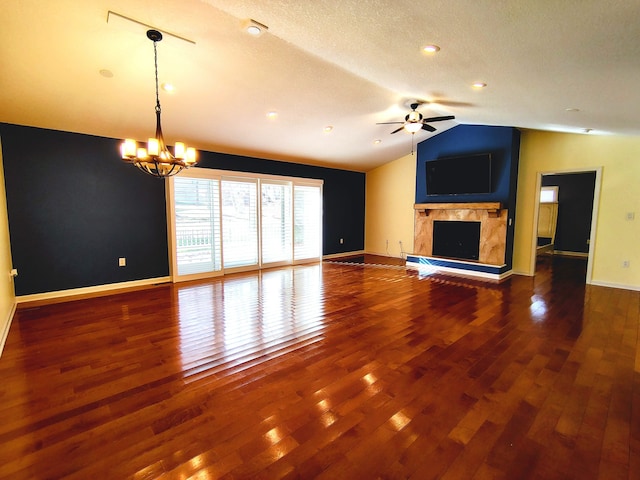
[414, 121]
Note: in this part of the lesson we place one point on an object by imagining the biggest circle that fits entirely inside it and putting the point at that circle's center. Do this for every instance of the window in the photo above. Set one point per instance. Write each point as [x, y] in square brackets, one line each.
[549, 195]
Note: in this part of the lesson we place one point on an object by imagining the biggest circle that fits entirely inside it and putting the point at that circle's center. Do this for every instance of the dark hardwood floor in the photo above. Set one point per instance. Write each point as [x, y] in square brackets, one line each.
[328, 371]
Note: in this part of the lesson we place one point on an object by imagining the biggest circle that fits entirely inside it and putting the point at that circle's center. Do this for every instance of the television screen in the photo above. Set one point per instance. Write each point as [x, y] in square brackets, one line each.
[463, 175]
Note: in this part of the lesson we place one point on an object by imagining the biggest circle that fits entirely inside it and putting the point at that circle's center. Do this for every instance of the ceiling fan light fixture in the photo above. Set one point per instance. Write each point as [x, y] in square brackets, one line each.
[413, 126]
[413, 116]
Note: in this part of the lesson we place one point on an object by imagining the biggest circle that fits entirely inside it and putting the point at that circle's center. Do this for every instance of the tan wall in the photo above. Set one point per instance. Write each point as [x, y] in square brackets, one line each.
[7, 293]
[390, 195]
[617, 238]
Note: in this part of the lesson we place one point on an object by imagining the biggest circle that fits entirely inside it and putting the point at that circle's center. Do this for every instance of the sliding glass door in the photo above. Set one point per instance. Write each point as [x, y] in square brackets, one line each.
[222, 221]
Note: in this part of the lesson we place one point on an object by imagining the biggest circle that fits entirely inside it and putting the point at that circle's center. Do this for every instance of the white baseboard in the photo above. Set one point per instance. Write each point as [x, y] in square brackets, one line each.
[7, 326]
[459, 272]
[615, 285]
[343, 254]
[36, 297]
[523, 274]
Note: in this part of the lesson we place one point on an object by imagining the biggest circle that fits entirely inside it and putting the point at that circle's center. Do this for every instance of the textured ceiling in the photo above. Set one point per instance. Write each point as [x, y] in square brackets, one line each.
[348, 64]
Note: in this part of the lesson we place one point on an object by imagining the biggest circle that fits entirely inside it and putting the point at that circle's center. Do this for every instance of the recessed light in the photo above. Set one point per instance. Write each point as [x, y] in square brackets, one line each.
[431, 48]
[572, 109]
[254, 28]
[328, 129]
[588, 130]
[272, 115]
[377, 142]
[479, 85]
[106, 73]
[168, 87]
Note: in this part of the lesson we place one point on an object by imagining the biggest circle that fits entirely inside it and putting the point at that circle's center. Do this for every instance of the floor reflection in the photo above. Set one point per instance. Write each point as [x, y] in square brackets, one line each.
[235, 321]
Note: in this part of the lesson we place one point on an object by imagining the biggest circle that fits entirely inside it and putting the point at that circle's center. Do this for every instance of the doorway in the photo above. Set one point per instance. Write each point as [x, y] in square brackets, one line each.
[579, 238]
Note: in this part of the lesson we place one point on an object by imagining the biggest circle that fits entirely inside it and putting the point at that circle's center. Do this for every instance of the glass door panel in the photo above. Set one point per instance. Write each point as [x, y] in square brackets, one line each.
[276, 222]
[197, 225]
[307, 222]
[239, 222]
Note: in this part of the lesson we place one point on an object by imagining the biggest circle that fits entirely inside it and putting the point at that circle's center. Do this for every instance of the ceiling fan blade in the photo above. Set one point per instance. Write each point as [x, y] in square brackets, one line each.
[439, 119]
[428, 128]
[397, 130]
[387, 123]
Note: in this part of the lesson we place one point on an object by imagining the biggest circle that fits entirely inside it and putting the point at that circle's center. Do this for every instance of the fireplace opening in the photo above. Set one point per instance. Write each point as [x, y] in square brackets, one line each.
[455, 239]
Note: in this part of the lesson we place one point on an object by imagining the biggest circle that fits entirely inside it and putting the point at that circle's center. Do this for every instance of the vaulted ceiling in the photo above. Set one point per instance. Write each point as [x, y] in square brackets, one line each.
[569, 65]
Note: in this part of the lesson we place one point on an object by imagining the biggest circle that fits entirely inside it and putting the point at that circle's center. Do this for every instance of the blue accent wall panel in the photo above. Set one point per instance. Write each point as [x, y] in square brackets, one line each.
[504, 145]
[74, 208]
[468, 140]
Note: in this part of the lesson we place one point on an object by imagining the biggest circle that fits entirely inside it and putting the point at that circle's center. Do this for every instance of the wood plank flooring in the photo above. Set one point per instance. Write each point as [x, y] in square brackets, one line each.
[333, 371]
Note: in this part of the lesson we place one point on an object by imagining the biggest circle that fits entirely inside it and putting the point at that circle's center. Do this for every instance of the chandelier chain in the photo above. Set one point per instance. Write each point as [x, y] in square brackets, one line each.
[155, 56]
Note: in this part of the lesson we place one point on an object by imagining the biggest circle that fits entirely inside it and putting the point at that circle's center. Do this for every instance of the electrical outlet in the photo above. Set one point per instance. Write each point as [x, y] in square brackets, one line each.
[631, 215]
[13, 272]
[625, 263]
[122, 262]
[341, 241]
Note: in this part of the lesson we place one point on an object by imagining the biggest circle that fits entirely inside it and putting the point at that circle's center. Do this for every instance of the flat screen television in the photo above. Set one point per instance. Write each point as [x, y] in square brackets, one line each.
[461, 175]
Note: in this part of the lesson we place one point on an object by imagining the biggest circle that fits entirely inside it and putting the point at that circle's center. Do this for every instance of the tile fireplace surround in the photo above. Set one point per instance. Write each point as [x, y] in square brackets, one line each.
[493, 234]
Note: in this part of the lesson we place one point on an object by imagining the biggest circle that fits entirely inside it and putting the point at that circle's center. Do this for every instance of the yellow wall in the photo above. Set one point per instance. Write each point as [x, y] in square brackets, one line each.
[617, 238]
[7, 295]
[390, 195]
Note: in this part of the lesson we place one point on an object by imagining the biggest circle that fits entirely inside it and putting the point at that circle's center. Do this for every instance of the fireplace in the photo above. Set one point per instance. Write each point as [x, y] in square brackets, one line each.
[456, 239]
[489, 221]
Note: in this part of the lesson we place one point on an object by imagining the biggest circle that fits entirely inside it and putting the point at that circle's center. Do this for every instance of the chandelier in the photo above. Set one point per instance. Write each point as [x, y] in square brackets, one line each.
[156, 159]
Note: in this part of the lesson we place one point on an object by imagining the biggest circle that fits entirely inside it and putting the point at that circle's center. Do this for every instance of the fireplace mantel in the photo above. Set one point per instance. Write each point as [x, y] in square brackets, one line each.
[492, 208]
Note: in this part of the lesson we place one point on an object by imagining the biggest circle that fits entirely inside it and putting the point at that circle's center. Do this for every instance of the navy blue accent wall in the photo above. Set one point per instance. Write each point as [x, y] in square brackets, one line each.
[575, 207]
[74, 208]
[504, 145]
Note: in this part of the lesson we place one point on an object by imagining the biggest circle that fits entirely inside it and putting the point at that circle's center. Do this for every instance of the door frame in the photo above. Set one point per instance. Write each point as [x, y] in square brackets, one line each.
[594, 215]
